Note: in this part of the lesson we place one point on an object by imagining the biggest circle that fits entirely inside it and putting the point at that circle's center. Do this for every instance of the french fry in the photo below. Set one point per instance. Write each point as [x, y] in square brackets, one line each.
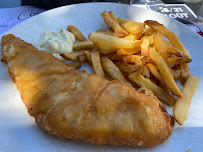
[182, 105]
[96, 63]
[113, 24]
[128, 68]
[59, 57]
[130, 37]
[160, 46]
[113, 16]
[78, 34]
[75, 65]
[106, 52]
[72, 56]
[185, 72]
[132, 28]
[115, 57]
[173, 51]
[170, 36]
[82, 58]
[168, 43]
[128, 51]
[148, 31]
[147, 59]
[155, 72]
[158, 91]
[124, 20]
[177, 60]
[113, 71]
[164, 72]
[145, 72]
[151, 39]
[111, 33]
[147, 92]
[88, 56]
[83, 45]
[111, 43]
[145, 46]
[136, 59]
[176, 74]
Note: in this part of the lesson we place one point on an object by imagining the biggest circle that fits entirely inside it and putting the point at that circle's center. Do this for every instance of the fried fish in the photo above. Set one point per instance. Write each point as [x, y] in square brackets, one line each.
[72, 104]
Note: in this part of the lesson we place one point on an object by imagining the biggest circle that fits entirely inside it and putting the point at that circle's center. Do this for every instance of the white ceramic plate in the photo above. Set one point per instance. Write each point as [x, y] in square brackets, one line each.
[18, 131]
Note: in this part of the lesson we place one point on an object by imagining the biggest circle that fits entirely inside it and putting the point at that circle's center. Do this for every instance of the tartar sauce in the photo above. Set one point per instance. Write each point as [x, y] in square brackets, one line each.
[56, 42]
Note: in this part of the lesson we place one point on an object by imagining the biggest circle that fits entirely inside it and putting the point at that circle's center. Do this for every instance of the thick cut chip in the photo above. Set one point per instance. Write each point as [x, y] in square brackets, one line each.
[96, 63]
[72, 56]
[136, 59]
[113, 71]
[155, 72]
[182, 105]
[113, 16]
[176, 74]
[165, 72]
[111, 43]
[145, 72]
[160, 45]
[113, 24]
[128, 51]
[145, 46]
[173, 51]
[185, 72]
[88, 56]
[170, 36]
[75, 65]
[128, 68]
[158, 91]
[78, 34]
[133, 29]
[83, 45]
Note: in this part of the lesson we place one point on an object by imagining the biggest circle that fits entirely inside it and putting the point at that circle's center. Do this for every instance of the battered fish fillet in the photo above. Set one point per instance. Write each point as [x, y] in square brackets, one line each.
[72, 104]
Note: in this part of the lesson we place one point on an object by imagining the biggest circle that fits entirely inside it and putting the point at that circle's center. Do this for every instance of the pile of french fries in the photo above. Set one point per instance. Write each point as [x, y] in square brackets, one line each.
[136, 54]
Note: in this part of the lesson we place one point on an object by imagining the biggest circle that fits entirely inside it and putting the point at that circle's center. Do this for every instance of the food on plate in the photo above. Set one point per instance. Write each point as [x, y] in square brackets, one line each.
[145, 46]
[113, 24]
[176, 74]
[78, 35]
[88, 56]
[158, 91]
[184, 72]
[165, 72]
[75, 65]
[111, 43]
[56, 42]
[182, 105]
[126, 67]
[174, 40]
[72, 56]
[155, 72]
[88, 107]
[96, 63]
[173, 51]
[160, 46]
[113, 71]
[83, 45]
[72, 104]
[128, 51]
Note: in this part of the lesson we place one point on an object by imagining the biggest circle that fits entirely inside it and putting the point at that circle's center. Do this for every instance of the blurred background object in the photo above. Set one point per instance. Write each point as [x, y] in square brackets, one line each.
[49, 4]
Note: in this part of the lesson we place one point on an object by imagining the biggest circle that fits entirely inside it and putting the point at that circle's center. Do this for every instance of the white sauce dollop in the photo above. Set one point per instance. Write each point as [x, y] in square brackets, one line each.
[57, 42]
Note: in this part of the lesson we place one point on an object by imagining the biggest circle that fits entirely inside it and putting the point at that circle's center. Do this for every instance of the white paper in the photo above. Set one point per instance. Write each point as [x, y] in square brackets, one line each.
[9, 17]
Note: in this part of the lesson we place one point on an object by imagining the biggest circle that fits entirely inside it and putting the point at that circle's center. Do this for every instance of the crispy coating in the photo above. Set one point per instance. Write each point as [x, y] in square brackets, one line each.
[72, 104]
